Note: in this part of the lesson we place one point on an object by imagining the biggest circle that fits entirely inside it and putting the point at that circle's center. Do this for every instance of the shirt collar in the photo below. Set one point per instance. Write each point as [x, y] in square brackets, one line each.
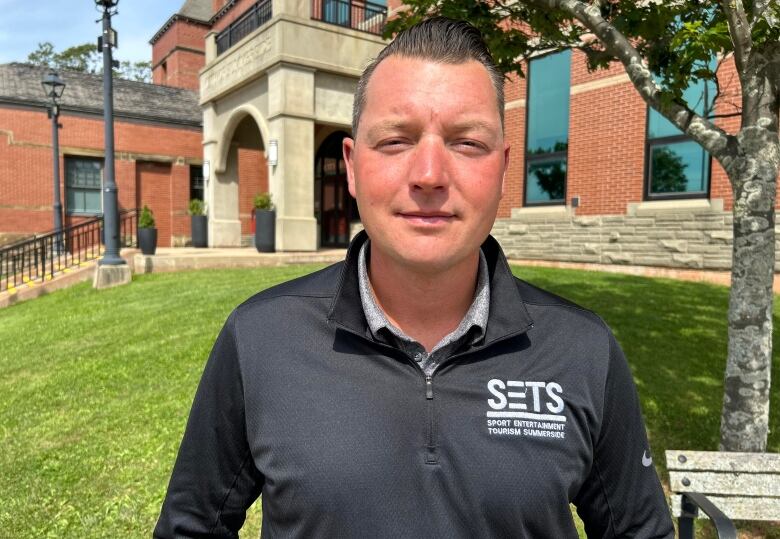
[507, 314]
[476, 316]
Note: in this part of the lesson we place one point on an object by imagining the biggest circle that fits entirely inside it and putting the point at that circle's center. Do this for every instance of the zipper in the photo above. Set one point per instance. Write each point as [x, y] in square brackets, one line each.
[431, 454]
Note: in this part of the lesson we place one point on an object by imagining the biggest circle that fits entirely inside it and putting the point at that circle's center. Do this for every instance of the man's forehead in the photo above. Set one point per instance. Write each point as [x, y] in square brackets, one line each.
[403, 89]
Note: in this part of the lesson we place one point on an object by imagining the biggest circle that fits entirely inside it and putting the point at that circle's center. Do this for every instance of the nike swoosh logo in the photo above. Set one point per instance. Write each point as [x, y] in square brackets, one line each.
[646, 460]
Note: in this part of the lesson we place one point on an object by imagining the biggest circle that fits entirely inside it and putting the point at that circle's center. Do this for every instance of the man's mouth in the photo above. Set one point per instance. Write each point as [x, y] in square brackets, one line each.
[427, 217]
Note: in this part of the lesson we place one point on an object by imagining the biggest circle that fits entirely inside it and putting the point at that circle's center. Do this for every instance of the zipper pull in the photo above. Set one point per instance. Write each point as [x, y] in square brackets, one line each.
[428, 387]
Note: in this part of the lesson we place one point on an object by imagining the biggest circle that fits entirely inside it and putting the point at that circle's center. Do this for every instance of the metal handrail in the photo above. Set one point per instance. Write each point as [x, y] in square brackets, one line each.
[41, 257]
[246, 23]
[354, 14]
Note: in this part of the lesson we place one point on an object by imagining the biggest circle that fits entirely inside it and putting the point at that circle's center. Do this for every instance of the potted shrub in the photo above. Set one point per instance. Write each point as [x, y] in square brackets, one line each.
[265, 223]
[199, 223]
[147, 233]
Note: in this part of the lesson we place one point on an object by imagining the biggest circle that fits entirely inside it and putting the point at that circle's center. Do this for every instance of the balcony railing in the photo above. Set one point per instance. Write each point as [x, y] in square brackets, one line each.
[249, 21]
[354, 14]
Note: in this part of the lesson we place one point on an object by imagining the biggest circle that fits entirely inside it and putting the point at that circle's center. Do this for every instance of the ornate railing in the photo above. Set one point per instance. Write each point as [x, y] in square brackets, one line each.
[249, 21]
[45, 255]
[354, 14]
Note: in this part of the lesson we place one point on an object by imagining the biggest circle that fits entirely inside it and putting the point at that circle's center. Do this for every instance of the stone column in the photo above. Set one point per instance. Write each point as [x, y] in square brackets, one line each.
[224, 228]
[211, 47]
[291, 181]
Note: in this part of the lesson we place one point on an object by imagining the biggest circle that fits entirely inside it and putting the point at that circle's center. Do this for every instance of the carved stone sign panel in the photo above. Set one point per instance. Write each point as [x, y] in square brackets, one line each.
[238, 65]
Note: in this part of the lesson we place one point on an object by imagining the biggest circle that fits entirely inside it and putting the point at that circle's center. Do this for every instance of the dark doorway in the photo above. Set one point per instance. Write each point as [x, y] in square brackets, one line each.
[334, 208]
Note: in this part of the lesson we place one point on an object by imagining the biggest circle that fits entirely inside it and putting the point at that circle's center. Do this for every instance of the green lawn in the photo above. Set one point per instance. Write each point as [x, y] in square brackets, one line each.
[95, 386]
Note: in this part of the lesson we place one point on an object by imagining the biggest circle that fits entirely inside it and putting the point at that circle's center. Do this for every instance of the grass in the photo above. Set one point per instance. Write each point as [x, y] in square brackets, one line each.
[95, 387]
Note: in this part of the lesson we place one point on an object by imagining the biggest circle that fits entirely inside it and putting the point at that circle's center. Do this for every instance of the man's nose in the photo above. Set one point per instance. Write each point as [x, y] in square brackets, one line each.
[430, 171]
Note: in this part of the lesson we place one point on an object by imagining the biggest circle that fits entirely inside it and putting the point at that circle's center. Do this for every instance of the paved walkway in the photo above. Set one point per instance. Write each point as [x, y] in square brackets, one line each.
[171, 259]
[712, 277]
[189, 258]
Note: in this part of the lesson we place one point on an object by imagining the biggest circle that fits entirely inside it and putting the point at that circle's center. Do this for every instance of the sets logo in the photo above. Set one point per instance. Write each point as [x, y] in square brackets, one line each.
[526, 408]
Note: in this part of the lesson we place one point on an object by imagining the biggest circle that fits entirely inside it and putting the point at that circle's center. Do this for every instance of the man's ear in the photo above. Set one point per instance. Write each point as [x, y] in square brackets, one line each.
[348, 149]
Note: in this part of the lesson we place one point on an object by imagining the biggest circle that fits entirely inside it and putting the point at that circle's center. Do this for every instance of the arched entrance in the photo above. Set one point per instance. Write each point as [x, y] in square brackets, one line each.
[245, 174]
[334, 208]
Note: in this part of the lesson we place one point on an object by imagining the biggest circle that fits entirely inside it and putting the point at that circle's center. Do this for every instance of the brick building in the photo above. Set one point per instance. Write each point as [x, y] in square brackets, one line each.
[157, 141]
[595, 176]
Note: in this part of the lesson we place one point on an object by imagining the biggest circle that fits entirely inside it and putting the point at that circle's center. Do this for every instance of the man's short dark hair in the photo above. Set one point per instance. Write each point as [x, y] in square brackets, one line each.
[437, 39]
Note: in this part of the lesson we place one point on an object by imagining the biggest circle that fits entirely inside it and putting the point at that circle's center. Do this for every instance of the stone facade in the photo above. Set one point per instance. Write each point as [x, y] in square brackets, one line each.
[694, 234]
[294, 78]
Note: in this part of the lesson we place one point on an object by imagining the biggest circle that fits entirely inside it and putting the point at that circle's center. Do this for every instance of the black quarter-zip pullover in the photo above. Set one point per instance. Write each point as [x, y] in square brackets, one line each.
[344, 436]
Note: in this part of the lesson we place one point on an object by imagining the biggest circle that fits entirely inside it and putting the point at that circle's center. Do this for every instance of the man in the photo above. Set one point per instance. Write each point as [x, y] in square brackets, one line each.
[418, 389]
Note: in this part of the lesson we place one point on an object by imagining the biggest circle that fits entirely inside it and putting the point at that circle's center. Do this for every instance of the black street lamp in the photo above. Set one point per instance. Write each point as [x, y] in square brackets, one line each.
[53, 87]
[106, 42]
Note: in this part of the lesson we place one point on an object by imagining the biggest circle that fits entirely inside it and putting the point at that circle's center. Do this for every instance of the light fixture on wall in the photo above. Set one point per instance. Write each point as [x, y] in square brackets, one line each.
[206, 171]
[273, 152]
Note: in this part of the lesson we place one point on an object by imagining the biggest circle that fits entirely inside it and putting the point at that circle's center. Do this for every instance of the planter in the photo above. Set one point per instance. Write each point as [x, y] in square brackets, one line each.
[147, 240]
[265, 231]
[200, 228]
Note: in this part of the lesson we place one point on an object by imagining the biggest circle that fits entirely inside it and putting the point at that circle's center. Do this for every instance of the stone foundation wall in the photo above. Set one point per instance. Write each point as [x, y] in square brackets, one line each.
[677, 234]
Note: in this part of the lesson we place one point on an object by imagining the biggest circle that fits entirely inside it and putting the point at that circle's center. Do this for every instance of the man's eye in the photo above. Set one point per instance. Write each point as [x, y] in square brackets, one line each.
[470, 144]
[392, 143]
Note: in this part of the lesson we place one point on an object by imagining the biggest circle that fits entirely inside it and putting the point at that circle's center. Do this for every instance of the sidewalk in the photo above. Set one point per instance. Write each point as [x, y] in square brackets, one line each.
[703, 276]
[190, 258]
[171, 259]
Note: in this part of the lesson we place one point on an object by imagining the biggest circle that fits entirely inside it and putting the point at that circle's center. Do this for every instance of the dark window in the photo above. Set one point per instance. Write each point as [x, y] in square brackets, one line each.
[676, 166]
[547, 132]
[83, 179]
[334, 207]
[197, 184]
[336, 12]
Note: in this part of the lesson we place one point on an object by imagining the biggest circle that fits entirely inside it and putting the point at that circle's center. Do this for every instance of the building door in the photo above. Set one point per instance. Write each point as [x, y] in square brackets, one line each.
[334, 207]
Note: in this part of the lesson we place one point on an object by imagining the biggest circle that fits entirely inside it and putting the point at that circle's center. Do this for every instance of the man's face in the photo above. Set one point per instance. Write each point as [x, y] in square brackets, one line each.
[427, 166]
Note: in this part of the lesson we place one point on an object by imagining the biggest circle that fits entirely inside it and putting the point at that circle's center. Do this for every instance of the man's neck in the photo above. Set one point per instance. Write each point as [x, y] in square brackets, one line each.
[426, 306]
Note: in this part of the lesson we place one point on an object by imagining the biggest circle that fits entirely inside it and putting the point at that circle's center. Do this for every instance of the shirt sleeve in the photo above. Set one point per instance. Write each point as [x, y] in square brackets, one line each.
[622, 496]
[214, 479]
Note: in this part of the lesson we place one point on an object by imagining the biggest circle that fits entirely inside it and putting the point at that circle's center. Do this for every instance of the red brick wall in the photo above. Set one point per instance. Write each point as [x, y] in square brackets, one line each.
[154, 190]
[177, 67]
[26, 167]
[606, 141]
[252, 179]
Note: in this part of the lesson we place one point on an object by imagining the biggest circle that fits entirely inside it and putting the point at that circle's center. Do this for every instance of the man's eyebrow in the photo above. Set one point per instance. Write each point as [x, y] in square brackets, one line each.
[472, 125]
[388, 125]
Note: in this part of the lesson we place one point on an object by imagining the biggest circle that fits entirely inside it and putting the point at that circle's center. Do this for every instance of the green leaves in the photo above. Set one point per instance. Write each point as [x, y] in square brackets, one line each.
[86, 59]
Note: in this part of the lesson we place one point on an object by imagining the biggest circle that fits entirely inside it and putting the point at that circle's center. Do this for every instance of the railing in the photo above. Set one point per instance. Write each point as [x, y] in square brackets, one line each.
[40, 258]
[249, 21]
[354, 14]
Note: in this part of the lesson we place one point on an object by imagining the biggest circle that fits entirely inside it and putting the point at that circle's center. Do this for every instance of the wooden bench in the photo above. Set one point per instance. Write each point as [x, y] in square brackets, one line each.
[725, 486]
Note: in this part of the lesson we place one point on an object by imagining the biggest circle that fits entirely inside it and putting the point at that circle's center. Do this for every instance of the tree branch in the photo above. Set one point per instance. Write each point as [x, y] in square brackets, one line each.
[759, 11]
[739, 30]
[711, 137]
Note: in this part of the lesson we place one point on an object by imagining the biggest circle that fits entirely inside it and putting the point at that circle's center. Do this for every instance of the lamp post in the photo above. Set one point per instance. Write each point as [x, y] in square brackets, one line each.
[106, 42]
[53, 87]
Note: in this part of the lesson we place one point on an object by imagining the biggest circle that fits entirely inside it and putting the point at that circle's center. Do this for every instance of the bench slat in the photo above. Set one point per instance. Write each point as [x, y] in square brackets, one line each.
[723, 461]
[739, 508]
[738, 484]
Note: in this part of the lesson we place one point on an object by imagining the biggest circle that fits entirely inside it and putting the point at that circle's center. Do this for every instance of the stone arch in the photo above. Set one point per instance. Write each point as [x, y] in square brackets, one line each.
[237, 116]
[240, 171]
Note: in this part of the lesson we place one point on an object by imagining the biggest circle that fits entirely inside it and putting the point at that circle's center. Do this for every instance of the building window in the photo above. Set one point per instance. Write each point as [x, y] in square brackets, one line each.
[547, 135]
[675, 165]
[197, 184]
[83, 180]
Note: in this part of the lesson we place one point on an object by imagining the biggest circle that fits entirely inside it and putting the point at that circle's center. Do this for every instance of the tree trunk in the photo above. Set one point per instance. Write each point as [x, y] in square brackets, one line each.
[753, 175]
